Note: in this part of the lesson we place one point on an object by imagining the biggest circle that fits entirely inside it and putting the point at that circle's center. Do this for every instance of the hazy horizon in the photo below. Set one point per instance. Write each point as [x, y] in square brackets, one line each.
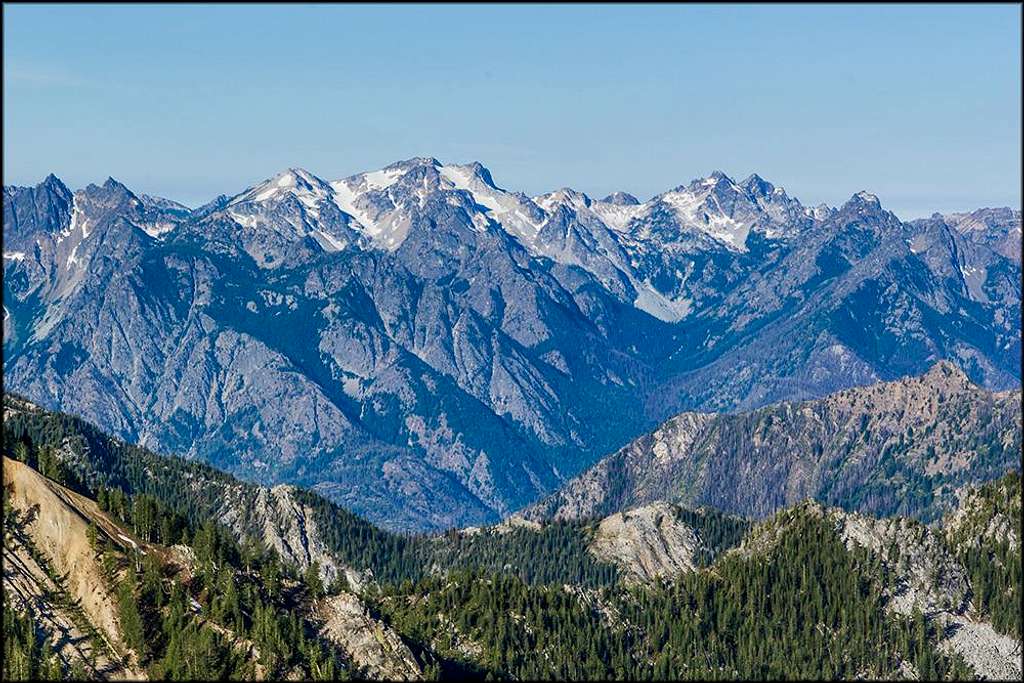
[189, 102]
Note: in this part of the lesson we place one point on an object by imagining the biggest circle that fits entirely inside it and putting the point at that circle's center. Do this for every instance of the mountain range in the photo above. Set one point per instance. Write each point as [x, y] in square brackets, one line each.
[431, 350]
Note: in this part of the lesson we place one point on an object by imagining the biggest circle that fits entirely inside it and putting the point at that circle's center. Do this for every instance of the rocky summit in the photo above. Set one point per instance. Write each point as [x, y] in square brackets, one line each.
[901, 447]
[432, 350]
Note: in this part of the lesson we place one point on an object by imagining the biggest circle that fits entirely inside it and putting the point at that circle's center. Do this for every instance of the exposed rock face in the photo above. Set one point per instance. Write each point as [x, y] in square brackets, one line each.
[287, 527]
[55, 523]
[999, 229]
[648, 543]
[277, 517]
[637, 474]
[505, 526]
[370, 643]
[984, 533]
[858, 448]
[924, 574]
[28, 588]
[986, 516]
[433, 351]
[992, 655]
[59, 531]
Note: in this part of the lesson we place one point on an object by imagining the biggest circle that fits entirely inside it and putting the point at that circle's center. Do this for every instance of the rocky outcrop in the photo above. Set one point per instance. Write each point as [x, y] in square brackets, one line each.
[998, 229]
[639, 473]
[371, 644]
[984, 533]
[648, 543]
[988, 515]
[288, 527]
[921, 572]
[993, 656]
[297, 525]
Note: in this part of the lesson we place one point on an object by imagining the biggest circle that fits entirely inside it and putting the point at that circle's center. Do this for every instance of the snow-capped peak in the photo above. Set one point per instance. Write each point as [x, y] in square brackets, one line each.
[309, 189]
[385, 201]
[367, 198]
[566, 195]
[289, 204]
[384, 204]
[621, 199]
[716, 206]
[717, 181]
[863, 202]
[518, 214]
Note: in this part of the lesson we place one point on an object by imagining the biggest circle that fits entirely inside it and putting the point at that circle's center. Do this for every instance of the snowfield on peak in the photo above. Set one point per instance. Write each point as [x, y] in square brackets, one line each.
[509, 210]
[617, 216]
[692, 210]
[381, 205]
[302, 184]
[382, 211]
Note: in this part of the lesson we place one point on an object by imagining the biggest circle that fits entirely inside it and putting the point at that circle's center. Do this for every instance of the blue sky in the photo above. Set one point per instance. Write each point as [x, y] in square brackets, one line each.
[918, 104]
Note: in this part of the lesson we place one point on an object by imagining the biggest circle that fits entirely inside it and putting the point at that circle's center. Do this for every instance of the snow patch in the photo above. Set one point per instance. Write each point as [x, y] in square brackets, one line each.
[615, 216]
[345, 198]
[332, 243]
[662, 307]
[383, 179]
[693, 212]
[504, 207]
[72, 223]
[304, 186]
[242, 219]
[156, 230]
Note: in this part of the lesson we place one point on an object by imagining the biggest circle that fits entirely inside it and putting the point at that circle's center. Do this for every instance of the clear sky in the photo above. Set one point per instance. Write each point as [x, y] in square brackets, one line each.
[919, 104]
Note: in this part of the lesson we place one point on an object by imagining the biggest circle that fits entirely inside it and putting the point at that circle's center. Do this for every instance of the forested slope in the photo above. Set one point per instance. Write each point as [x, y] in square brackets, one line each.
[810, 592]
